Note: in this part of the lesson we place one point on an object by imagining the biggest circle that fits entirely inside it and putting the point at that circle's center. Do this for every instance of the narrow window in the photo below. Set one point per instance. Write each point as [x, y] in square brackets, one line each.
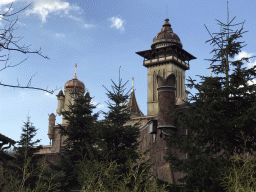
[157, 87]
[154, 86]
[176, 84]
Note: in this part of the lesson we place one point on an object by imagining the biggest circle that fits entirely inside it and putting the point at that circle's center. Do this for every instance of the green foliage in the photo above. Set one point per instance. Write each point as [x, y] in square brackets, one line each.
[26, 142]
[105, 176]
[93, 175]
[81, 126]
[15, 180]
[241, 176]
[81, 137]
[118, 140]
[219, 118]
[25, 153]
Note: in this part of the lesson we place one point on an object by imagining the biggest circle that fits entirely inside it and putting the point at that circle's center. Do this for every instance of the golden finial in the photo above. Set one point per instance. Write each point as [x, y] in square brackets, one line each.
[75, 71]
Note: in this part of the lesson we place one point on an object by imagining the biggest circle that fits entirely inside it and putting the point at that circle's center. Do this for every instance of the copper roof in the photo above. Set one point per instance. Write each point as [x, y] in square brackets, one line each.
[166, 35]
[74, 84]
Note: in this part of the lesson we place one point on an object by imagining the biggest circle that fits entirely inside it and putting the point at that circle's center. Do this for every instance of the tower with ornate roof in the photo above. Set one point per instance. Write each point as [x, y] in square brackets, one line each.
[165, 57]
[71, 89]
[166, 64]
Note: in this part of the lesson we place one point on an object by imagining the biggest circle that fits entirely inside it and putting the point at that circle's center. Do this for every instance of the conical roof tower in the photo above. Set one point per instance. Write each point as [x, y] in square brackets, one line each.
[132, 105]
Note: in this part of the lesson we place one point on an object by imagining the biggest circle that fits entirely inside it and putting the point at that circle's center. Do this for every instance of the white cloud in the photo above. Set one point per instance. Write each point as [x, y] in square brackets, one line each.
[7, 9]
[74, 18]
[60, 35]
[4, 9]
[50, 95]
[251, 82]
[97, 104]
[88, 26]
[244, 54]
[5, 2]
[43, 8]
[117, 23]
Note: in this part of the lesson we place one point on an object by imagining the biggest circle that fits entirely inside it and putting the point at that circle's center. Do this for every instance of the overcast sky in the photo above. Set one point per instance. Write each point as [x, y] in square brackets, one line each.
[100, 36]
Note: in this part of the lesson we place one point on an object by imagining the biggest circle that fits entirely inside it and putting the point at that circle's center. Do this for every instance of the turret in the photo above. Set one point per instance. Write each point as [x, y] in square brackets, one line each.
[166, 104]
[132, 105]
[52, 119]
[71, 89]
[165, 57]
[61, 99]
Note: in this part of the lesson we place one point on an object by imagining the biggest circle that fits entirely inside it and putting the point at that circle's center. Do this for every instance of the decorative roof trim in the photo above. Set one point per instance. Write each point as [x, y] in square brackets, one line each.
[146, 54]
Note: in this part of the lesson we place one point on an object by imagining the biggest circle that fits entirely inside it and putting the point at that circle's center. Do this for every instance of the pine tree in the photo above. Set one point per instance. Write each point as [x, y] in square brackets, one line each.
[118, 141]
[81, 137]
[219, 118]
[25, 153]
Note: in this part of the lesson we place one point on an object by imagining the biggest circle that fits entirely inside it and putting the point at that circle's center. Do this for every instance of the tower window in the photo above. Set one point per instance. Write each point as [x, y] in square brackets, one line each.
[154, 86]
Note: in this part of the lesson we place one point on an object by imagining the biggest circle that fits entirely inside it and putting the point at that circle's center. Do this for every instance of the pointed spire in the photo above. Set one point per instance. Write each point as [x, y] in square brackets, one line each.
[75, 72]
[132, 105]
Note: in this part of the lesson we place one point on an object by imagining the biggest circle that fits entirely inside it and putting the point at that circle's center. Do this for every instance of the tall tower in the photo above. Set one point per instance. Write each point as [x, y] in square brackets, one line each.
[71, 89]
[165, 57]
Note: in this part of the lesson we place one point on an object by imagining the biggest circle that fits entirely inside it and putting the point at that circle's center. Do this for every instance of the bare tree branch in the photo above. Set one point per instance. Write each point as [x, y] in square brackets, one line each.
[10, 43]
[28, 87]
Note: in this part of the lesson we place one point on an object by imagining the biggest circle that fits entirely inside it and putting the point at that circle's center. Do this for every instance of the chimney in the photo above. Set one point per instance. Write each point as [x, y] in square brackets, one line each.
[166, 103]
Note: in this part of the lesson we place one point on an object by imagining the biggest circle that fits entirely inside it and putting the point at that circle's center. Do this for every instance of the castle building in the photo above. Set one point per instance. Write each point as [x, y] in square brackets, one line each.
[166, 64]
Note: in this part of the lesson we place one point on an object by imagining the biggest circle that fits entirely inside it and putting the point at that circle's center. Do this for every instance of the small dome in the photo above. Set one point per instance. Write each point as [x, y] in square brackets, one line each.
[166, 37]
[75, 84]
